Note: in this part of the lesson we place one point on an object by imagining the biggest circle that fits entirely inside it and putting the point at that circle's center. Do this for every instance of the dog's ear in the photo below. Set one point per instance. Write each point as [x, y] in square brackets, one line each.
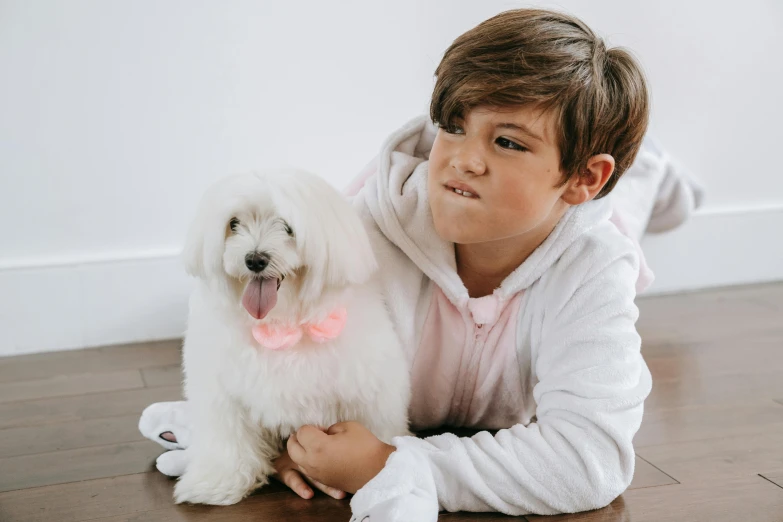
[328, 232]
[205, 240]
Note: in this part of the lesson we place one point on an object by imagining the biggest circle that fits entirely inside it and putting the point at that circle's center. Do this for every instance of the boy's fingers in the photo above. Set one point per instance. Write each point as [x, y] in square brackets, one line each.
[294, 480]
[332, 492]
[295, 450]
[309, 437]
[337, 428]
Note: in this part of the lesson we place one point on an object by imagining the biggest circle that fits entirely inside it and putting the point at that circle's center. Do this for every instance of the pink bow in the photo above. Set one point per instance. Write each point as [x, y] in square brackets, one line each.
[283, 336]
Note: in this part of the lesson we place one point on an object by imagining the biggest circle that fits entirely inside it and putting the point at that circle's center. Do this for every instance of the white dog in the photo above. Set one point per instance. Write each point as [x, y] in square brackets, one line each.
[286, 328]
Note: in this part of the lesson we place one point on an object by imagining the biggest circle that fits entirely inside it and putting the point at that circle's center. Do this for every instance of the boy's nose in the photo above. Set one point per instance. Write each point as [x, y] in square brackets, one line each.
[468, 161]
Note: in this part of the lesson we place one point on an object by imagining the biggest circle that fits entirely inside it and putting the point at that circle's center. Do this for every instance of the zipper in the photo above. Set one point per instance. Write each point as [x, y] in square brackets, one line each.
[474, 351]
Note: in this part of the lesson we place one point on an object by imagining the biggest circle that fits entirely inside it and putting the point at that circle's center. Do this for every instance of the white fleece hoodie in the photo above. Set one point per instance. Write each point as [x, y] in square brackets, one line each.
[551, 359]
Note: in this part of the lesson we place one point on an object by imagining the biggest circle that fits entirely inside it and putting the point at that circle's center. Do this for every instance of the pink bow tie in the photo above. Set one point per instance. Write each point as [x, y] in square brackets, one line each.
[284, 336]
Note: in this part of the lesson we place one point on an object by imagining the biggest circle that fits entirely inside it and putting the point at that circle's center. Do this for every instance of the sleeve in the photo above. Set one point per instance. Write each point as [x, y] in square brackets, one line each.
[578, 454]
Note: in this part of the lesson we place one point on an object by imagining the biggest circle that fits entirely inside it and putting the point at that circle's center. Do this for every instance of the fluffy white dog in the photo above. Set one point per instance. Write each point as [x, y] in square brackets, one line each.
[286, 328]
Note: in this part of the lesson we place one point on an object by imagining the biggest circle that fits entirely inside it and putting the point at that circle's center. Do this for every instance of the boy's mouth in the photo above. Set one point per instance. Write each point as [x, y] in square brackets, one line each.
[462, 189]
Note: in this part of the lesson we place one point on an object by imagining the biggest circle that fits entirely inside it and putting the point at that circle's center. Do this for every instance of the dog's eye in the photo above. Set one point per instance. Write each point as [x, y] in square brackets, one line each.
[289, 230]
[233, 224]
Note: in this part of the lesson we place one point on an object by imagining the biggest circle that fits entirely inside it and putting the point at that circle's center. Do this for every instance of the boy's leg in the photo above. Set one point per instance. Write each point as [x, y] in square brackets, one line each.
[655, 194]
[679, 193]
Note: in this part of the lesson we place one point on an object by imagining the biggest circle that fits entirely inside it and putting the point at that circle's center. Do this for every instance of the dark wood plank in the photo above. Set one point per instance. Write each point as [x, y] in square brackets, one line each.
[162, 376]
[44, 469]
[718, 459]
[95, 406]
[67, 385]
[31, 440]
[121, 496]
[88, 500]
[750, 499]
[148, 496]
[93, 360]
[756, 355]
[647, 475]
[695, 390]
[667, 426]
[283, 506]
[715, 315]
[477, 517]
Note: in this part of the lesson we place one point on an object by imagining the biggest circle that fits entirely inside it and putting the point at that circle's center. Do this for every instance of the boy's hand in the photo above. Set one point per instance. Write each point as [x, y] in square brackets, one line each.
[288, 473]
[346, 457]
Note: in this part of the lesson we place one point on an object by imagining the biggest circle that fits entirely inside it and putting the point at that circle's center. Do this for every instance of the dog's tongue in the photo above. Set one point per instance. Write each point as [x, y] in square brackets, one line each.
[260, 297]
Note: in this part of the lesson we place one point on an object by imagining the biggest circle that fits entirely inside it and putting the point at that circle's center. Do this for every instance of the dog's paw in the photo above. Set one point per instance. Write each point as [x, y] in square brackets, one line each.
[215, 486]
[173, 463]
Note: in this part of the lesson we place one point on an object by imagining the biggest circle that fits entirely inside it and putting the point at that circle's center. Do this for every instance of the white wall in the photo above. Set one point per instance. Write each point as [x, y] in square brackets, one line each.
[114, 116]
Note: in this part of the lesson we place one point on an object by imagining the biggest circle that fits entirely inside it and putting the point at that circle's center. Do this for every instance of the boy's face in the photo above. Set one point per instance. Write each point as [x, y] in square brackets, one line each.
[506, 163]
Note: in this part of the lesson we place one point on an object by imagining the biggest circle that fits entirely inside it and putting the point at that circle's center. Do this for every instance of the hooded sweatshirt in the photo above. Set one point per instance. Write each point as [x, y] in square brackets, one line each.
[551, 359]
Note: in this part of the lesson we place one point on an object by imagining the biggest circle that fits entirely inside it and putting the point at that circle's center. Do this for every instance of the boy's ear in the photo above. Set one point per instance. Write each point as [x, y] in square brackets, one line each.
[585, 186]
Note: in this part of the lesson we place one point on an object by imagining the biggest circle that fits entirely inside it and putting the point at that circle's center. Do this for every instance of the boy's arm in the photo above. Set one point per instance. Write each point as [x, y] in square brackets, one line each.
[578, 455]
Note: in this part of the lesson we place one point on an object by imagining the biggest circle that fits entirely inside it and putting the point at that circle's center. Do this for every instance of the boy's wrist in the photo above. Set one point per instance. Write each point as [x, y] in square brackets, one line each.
[384, 453]
[388, 449]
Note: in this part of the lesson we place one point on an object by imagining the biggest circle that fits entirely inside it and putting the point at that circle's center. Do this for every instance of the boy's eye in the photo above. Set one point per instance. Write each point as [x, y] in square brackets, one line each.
[233, 224]
[453, 128]
[508, 144]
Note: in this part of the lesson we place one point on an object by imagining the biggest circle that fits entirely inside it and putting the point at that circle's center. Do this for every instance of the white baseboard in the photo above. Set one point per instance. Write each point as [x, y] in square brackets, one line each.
[85, 303]
[61, 304]
[718, 247]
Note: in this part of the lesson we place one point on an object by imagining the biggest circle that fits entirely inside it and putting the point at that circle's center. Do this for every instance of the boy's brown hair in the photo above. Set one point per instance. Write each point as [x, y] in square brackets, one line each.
[552, 61]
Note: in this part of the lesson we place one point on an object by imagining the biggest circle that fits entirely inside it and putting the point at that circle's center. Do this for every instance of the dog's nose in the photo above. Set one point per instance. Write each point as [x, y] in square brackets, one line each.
[256, 261]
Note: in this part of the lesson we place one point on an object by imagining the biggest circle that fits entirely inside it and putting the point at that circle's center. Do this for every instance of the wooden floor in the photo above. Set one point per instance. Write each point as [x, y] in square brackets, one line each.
[710, 447]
